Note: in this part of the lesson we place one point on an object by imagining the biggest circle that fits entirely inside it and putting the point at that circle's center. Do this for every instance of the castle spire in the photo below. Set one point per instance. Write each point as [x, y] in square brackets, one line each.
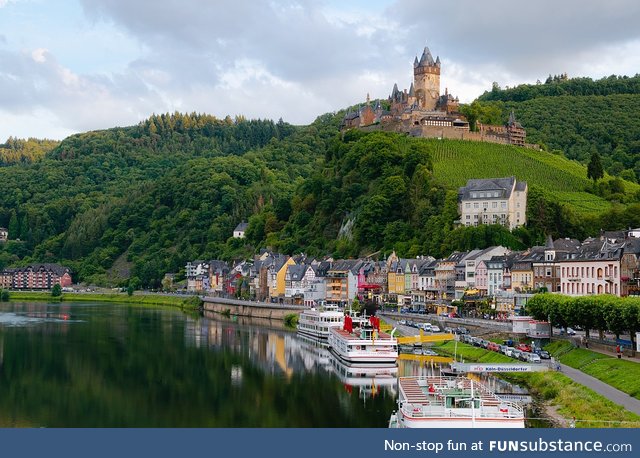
[412, 92]
[427, 58]
[512, 118]
[438, 61]
[368, 99]
[415, 62]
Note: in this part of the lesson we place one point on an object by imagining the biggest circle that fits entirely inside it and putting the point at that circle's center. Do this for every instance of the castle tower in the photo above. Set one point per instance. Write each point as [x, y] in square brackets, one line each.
[426, 80]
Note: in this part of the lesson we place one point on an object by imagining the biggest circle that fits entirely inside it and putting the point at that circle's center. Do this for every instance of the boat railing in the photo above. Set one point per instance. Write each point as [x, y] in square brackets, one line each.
[438, 409]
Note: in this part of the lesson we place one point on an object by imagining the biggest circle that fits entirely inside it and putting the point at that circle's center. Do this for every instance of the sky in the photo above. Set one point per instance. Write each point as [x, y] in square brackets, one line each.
[76, 65]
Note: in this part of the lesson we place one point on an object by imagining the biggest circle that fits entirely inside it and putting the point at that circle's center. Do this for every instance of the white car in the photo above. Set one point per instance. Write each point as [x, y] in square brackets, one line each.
[533, 358]
[427, 327]
[435, 328]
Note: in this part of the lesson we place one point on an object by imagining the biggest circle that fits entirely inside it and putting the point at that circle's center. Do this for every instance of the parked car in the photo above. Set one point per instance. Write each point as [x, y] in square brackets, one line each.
[524, 356]
[448, 330]
[484, 344]
[435, 328]
[515, 353]
[544, 354]
[533, 358]
[493, 346]
[524, 347]
[462, 330]
[428, 352]
[508, 351]
[426, 327]
[571, 332]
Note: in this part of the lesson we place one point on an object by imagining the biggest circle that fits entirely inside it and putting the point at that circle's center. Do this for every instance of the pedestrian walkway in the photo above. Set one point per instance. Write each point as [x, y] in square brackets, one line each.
[614, 395]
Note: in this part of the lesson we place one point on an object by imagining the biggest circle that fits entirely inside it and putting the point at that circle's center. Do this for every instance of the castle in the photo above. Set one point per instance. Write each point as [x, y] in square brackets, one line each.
[423, 112]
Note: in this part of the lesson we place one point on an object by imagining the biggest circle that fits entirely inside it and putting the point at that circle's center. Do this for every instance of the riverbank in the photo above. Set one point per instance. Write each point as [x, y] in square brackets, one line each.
[564, 398]
[188, 303]
[621, 374]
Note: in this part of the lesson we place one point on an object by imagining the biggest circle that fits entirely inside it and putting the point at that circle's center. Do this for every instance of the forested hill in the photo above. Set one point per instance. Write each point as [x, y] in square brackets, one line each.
[130, 204]
[166, 190]
[579, 116]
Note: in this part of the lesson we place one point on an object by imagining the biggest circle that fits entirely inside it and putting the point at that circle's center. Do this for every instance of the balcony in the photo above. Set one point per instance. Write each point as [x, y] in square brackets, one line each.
[573, 278]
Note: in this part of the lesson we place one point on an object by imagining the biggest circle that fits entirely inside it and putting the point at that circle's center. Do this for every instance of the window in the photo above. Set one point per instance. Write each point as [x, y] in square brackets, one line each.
[467, 205]
[468, 216]
[503, 205]
[494, 204]
[476, 205]
[474, 195]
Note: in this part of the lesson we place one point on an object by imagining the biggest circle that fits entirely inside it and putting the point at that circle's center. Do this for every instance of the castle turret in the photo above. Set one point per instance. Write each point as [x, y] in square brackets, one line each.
[426, 77]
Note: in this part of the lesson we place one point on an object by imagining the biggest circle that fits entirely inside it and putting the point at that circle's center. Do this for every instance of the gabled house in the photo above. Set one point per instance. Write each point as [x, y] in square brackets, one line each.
[241, 228]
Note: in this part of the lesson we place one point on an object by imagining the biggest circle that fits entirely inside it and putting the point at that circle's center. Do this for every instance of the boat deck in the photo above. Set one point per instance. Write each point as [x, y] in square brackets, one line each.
[356, 335]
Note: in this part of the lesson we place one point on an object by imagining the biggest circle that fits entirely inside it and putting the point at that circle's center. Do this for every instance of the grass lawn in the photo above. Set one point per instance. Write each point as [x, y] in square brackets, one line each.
[150, 299]
[619, 373]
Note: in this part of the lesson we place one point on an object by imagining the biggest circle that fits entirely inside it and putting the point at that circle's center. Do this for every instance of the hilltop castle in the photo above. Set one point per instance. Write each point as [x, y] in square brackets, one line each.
[423, 112]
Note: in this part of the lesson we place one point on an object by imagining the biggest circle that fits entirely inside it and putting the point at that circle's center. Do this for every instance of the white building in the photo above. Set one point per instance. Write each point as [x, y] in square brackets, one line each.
[238, 232]
[493, 201]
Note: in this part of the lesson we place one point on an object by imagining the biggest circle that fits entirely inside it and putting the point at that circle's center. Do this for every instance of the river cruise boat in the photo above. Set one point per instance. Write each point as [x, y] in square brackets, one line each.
[452, 402]
[316, 323]
[363, 343]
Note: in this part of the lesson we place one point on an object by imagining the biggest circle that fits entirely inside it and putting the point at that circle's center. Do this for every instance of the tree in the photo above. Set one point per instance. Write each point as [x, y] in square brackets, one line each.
[595, 171]
[4, 295]
[56, 291]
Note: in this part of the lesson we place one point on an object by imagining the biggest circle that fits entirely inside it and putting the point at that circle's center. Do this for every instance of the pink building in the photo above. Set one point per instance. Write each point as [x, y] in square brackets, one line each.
[481, 277]
[595, 269]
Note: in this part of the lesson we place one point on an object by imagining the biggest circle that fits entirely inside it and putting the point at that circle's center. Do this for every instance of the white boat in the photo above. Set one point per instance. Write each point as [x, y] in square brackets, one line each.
[363, 344]
[316, 322]
[452, 402]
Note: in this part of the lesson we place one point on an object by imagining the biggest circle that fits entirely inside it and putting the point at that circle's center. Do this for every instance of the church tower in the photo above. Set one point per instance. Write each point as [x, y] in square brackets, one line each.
[426, 80]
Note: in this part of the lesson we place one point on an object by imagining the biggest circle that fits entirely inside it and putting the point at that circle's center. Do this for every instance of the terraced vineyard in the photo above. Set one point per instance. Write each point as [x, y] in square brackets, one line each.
[456, 161]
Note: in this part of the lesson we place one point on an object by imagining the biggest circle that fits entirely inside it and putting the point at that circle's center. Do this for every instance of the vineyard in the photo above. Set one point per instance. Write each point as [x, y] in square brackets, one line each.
[455, 162]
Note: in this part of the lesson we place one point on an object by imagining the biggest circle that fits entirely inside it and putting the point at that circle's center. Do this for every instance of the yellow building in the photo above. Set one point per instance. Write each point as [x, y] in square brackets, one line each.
[281, 275]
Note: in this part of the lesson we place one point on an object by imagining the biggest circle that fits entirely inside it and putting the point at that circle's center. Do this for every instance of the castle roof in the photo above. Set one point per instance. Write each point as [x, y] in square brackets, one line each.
[426, 59]
[411, 91]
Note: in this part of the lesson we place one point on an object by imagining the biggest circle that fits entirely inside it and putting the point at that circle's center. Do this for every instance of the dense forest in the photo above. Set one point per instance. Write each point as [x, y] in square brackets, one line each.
[17, 150]
[126, 205]
[577, 116]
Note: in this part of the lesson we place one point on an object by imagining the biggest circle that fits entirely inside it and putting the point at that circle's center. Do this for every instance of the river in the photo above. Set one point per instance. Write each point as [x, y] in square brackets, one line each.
[111, 365]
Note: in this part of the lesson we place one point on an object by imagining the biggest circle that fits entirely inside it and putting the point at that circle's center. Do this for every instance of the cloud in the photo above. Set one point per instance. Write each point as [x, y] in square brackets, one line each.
[298, 59]
[532, 38]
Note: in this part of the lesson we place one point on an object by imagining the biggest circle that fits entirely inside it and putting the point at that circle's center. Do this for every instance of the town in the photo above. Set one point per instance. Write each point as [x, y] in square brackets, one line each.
[608, 264]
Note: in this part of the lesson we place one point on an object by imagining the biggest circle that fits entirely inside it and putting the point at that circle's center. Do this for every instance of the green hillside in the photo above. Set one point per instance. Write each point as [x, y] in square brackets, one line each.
[578, 116]
[126, 205]
[454, 162]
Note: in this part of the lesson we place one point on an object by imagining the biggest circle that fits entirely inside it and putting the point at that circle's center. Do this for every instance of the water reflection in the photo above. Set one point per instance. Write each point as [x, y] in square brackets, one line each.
[111, 365]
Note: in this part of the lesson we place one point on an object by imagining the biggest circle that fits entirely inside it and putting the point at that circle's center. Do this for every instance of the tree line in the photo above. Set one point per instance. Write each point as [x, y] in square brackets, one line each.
[598, 312]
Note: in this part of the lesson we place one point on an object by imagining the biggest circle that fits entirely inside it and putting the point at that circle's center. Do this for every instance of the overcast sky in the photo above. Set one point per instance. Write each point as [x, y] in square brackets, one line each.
[74, 65]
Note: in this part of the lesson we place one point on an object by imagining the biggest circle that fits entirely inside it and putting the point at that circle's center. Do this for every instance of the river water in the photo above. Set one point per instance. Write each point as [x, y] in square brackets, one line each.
[112, 365]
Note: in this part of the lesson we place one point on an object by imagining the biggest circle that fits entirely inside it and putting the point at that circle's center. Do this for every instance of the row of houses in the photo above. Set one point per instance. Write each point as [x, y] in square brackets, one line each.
[609, 264]
[35, 276]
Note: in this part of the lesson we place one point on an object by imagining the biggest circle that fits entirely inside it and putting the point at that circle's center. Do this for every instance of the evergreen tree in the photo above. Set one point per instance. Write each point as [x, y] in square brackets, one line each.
[595, 171]
[14, 226]
[56, 291]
